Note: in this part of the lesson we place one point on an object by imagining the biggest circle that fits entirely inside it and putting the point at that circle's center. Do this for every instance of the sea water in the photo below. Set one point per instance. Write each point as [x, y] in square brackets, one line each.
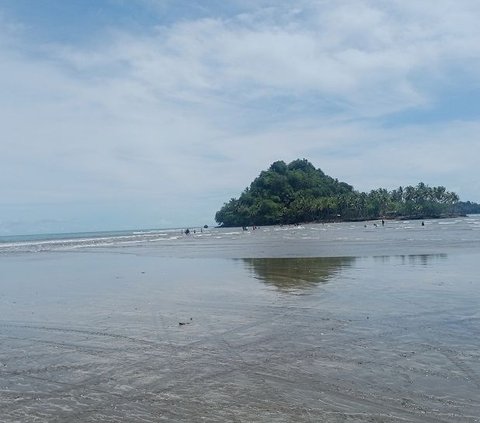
[328, 239]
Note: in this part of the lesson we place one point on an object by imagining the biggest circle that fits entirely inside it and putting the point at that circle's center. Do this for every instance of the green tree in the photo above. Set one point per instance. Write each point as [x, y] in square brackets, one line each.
[298, 192]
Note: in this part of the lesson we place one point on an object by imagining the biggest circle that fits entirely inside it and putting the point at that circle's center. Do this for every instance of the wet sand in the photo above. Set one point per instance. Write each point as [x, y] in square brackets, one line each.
[94, 336]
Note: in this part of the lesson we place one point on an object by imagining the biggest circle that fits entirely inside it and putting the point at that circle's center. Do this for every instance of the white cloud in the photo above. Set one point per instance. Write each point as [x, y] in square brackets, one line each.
[193, 110]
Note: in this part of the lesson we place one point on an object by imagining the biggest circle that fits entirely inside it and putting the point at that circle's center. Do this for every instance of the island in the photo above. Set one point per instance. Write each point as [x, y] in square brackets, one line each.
[298, 193]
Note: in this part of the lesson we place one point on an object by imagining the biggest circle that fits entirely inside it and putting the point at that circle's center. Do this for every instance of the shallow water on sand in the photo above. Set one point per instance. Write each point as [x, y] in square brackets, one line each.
[332, 323]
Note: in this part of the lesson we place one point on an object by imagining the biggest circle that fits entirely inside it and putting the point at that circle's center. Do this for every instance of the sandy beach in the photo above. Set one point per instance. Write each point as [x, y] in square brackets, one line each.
[146, 334]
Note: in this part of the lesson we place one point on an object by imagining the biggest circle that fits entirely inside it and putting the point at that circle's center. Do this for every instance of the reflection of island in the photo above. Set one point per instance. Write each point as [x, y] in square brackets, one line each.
[296, 273]
[413, 259]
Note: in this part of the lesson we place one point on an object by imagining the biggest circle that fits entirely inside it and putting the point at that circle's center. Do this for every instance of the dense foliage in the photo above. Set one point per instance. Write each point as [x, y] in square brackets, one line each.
[466, 207]
[298, 192]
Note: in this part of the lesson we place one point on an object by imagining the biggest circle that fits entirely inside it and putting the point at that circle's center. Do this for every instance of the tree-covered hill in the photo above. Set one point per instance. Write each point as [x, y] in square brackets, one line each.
[298, 192]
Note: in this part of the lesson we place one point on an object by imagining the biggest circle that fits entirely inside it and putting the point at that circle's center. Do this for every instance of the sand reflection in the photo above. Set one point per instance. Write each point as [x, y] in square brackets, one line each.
[296, 273]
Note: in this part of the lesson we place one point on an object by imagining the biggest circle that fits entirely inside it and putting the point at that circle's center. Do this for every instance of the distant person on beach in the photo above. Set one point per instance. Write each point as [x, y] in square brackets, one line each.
[423, 223]
[383, 222]
[187, 231]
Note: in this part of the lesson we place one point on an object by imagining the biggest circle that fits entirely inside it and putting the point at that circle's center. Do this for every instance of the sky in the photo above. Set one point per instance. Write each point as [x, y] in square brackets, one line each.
[122, 114]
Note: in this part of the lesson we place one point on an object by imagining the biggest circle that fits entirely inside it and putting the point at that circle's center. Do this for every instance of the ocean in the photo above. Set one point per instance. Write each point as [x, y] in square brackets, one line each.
[356, 238]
